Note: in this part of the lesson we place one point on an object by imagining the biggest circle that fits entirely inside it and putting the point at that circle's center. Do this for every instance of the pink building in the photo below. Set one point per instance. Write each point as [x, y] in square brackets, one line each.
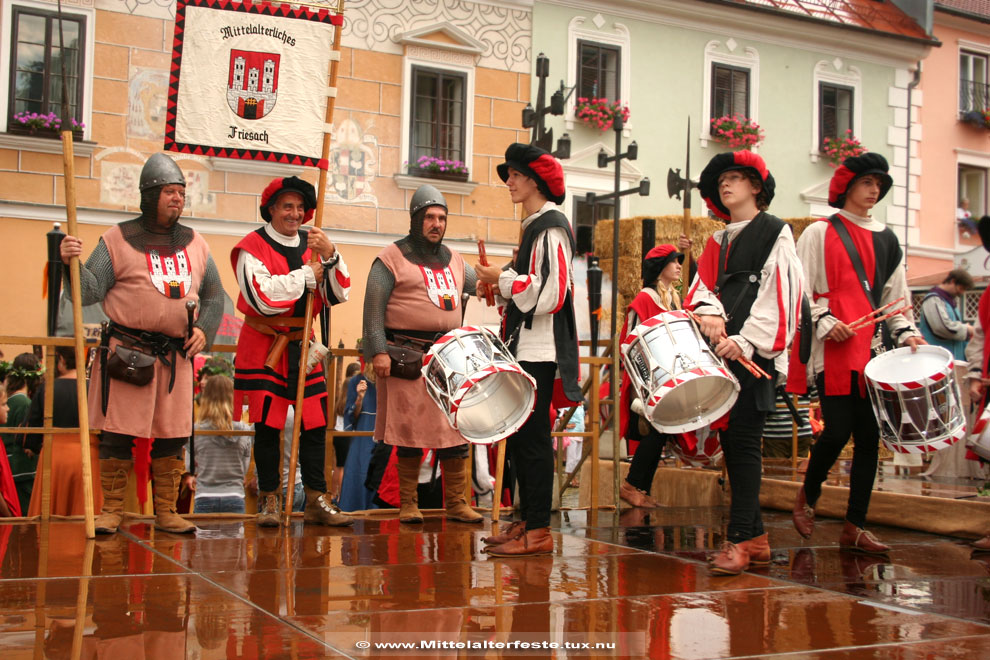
[951, 148]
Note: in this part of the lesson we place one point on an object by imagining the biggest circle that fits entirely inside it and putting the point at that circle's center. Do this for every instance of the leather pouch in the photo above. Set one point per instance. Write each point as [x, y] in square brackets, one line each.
[406, 362]
[131, 365]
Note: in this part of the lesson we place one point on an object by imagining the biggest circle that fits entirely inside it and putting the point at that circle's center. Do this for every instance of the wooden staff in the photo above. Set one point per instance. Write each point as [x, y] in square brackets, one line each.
[317, 224]
[69, 178]
[686, 223]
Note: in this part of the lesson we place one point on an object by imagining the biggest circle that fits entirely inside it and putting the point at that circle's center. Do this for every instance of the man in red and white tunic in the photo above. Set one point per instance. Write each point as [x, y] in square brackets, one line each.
[274, 274]
[839, 354]
[978, 356]
[538, 327]
[746, 293]
[413, 297]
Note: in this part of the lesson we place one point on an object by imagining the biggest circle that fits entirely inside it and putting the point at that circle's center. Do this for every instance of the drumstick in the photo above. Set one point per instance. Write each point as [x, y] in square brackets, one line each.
[749, 365]
[485, 287]
[868, 322]
[863, 318]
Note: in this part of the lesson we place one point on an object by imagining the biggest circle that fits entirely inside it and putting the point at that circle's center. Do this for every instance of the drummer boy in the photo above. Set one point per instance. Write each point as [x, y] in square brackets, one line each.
[413, 297]
[833, 251]
[746, 295]
[539, 328]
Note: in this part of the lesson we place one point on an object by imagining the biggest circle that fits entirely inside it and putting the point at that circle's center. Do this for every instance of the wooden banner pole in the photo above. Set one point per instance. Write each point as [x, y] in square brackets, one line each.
[317, 224]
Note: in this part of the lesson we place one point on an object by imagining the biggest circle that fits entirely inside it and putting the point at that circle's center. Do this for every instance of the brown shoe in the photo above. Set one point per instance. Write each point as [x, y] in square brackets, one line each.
[408, 469]
[758, 549]
[732, 559]
[321, 511]
[269, 509]
[982, 544]
[857, 538]
[803, 515]
[636, 497]
[512, 532]
[455, 479]
[113, 481]
[167, 473]
[533, 542]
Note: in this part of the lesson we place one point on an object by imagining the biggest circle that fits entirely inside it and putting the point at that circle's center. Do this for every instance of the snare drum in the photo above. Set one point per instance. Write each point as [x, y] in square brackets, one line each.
[916, 399]
[480, 388]
[683, 385]
[706, 452]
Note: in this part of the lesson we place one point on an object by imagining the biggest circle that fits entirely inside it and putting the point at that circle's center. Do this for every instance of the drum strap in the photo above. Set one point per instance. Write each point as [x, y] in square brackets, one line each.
[872, 294]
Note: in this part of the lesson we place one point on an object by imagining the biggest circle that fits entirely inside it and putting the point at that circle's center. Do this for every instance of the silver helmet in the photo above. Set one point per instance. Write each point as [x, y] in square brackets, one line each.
[160, 170]
[426, 195]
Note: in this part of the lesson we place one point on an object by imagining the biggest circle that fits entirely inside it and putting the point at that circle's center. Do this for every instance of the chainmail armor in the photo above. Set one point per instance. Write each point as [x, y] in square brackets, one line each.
[143, 230]
[210, 302]
[381, 281]
[96, 276]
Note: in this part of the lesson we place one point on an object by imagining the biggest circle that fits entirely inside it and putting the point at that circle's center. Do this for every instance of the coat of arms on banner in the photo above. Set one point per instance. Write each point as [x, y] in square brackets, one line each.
[440, 287]
[252, 83]
[169, 271]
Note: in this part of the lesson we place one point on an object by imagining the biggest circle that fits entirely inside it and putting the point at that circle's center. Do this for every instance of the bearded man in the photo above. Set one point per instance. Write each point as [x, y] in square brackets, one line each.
[145, 271]
[413, 298]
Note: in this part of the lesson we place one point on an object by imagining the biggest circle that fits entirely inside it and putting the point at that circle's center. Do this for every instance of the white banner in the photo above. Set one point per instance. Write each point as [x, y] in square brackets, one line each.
[249, 81]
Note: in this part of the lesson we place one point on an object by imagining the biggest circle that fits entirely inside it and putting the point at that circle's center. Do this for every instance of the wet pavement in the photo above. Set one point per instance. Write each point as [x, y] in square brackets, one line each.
[637, 580]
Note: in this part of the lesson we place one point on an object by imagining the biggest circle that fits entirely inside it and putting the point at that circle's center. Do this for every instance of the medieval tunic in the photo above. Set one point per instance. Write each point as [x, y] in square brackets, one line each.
[838, 296]
[273, 280]
[424, 299]
[150, 293]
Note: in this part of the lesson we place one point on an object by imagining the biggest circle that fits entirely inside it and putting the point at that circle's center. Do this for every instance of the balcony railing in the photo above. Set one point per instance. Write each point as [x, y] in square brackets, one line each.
[973, 96]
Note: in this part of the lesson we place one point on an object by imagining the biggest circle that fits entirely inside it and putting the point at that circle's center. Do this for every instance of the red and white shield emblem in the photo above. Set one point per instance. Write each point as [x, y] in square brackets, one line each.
[440, 287]
[169, 272]
[252, 83]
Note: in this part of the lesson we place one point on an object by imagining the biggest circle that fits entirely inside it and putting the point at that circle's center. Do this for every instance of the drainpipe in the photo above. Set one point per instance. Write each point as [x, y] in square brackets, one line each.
[907, 184]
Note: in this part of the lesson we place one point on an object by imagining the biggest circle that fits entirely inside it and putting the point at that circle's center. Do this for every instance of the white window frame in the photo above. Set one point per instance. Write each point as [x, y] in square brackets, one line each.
[975, 48]
[746, 58]
[417, 56]
[974, 160]
[579, 30]
[834, 73]
[86, 75]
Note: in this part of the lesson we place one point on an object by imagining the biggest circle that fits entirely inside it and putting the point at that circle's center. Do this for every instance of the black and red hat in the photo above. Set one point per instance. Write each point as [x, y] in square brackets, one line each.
[279, 186]
[538, 165]
[725, 162]
[657, 259]
[853, 168]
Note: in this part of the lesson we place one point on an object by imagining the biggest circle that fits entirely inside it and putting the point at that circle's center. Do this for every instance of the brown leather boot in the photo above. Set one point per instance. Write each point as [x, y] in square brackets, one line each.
[166, 474]
[857, 538]
[513, 531]
[982, 544]
[732, 559]
[455, 479]
[803, 515]
[113, 480]
[635, 496]
[758, 549]
[269, 509]
[408, 469]
[533, 542]
[321, 511]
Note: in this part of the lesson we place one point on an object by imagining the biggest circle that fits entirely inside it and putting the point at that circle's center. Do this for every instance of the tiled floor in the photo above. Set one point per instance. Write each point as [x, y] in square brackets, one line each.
[637, 580]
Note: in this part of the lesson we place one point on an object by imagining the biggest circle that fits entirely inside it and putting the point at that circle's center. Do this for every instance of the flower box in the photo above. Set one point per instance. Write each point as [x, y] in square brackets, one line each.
[977, 118]
[43, 126]
[430, 167]
[600, 113]
[435, 174]
[736, 132]
[838, 149]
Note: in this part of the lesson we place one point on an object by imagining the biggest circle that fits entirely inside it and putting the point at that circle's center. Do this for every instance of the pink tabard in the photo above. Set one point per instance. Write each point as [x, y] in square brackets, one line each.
[144, 299]
[423, 299]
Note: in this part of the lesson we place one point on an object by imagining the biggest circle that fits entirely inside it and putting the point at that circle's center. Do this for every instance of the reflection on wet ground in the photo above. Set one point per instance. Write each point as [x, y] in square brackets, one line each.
[636, 580]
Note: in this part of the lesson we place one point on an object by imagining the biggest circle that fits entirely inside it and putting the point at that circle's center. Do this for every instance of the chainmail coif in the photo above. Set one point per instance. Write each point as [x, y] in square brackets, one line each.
[418, 249]
[144, 230]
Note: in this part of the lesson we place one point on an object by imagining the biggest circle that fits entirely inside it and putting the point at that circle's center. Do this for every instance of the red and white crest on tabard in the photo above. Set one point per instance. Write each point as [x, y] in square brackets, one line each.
[169, 271]
[440, 287]
[252, 83]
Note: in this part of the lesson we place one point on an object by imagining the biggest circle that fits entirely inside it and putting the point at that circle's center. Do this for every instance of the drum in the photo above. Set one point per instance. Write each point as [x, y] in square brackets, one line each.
[979, 441]
[481, 389]
[683, 385]
[916, 399]
[706, 452]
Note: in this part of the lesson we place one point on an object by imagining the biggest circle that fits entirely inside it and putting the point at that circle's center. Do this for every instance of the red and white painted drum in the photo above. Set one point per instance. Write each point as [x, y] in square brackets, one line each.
[916, 399]
[481, 389]
[979, 441]
[699, 448]
[683, 385]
